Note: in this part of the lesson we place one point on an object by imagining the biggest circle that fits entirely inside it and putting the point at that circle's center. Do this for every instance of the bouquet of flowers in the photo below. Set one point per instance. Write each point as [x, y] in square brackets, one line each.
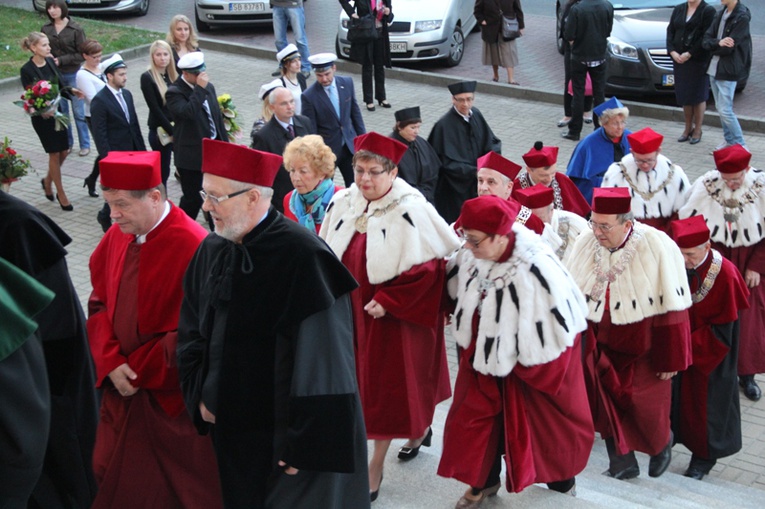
[12, 166]
[228, 110]
[41, 99]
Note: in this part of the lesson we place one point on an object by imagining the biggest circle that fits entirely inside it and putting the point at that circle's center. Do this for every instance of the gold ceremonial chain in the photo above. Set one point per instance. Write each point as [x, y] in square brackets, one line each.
[363, 220]
[603, 278]
[732, 207]
[647, 196]
[563, 227]
[523, 215]
[709, 280]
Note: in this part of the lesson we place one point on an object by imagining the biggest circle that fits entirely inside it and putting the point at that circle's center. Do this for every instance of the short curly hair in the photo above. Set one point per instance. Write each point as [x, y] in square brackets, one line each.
[312, 150]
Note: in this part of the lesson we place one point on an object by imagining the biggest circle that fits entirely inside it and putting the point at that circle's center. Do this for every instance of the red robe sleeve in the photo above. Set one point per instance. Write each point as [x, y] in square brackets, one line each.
[671, 342]
[757, 259]
[415, 295]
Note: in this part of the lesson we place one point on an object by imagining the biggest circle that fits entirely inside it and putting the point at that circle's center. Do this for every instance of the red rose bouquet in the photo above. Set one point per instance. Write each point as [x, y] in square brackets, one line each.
[41, 99]
[12, 166]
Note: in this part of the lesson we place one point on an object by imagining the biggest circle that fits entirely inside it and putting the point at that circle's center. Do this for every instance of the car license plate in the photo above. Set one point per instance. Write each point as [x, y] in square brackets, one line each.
[245, 7]
[88, 1]
[398, 47]
[668, 80]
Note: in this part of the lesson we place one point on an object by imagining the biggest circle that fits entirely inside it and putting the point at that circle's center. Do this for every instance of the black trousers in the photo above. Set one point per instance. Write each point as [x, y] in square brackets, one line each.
[578, 77]
[373, 66]
[165, 153]
[191, 184]
[345, 164]
[568, 98]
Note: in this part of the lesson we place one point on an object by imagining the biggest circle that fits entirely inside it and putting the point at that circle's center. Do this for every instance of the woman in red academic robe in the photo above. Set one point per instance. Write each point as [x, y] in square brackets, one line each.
[394, 243]
[520, 389]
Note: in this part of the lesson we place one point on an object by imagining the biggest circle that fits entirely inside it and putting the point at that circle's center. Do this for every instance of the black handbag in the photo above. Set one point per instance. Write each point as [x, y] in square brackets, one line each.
[362, 29]
[510, 28]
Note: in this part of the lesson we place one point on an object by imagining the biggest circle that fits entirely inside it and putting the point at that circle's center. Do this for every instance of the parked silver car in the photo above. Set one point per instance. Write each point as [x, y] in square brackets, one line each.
[422, 30]
[231, 12]
[138, 7]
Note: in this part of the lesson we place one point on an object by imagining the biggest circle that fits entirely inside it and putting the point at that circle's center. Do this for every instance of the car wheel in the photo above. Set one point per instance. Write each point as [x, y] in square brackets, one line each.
[201, 25]
[558, 38]
[456, 47]
[143, 8]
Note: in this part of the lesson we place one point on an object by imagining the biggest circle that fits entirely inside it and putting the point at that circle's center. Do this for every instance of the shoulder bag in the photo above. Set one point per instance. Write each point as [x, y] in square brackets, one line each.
[362, 29]
[510, 28]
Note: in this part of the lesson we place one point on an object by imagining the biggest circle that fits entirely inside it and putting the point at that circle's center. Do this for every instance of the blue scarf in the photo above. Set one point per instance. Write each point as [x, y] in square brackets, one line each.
[317, 200]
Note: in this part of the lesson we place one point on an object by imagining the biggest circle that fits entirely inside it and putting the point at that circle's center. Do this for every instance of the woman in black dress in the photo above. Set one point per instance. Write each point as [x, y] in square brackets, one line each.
[374, 56]
[41, 66]
[685, 32]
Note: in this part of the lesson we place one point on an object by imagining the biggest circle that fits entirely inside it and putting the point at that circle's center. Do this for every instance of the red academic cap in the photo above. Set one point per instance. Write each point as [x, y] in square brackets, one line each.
[645, 141]
[540, 156]
[380, 145]
[732, 159]
[496, 162]
[611, 200]
[240, 163]
[690, 232]
[131, 171]
[489, 214]
[535, 197]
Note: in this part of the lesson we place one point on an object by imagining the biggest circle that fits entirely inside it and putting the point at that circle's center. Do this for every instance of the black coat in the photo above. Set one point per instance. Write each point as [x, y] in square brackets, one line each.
[491, 11]
[419, 166]
[191, 121]
[588, 25]
[273, 138]
[360, 49]
[735, 62]
[688, 36]
[109, 126]
[158, 113]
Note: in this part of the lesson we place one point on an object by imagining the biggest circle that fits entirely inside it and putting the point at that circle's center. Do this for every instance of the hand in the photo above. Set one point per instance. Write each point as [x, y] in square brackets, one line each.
[49, 114]
[752, 278]
[483, 23]
[666, 375]
[386, 11]
[203, 79]
[78, 93]
[374, 309]
[55, 59]
[676, 57]
[522, 30]
[686, 56]
[207, 416]
[355, 16]
[727, 42]
[121, 377]
[288, 470]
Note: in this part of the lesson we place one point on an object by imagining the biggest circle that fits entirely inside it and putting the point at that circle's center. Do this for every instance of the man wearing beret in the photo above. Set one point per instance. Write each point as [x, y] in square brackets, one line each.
[459, 138]
[658, 186]
[732, 200]
[193, 103]
[633, 278]
[541, 168]
[265, 348]
[147, 453]
[706, 417]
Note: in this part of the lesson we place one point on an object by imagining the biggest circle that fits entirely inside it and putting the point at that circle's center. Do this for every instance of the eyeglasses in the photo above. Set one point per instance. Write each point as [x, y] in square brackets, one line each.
[372, 174]
[464, 99]
[605, 228]
[645, 161]
[469, 240]
[217, 200]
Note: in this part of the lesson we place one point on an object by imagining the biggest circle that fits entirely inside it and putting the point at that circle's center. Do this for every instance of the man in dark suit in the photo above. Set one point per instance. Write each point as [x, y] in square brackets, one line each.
[113, 120]
[331, 105]
[193, 104]
[283, 127]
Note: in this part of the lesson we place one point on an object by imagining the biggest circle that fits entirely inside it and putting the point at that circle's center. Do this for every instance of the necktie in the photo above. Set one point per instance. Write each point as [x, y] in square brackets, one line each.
[291, 130]
[334, 98]
[213, 131]
[123, 104]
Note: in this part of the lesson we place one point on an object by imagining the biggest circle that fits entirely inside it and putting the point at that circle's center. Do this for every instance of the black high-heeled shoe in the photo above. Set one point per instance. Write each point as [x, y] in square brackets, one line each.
[91, 185]
[370, 107]
[373, 494]
[65, 208]
[694, 141]
[409, 453]
[385, 104]
[49, 196]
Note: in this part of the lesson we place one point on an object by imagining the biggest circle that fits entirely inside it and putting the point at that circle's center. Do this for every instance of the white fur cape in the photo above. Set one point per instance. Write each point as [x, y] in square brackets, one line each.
[664, 203]
[747, 203]
[531, 312]
[567, 226]
[407, 234]
[646, 277]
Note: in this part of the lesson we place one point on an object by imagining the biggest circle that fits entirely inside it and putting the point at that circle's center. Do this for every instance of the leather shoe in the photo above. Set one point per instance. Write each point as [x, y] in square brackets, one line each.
[683, 138]
[467, 503]
[563, 123]
[570, 136]
[659, 463]
[91, 185]
[630, 472]
[694, 473]
[751, 389]
[694, 141]
[409, 453]
[104, 221]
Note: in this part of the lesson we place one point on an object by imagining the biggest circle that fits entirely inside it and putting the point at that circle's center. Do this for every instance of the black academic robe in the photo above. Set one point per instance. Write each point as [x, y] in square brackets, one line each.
[419, 166]
[266, 342]
[35, 244]
[459, 144]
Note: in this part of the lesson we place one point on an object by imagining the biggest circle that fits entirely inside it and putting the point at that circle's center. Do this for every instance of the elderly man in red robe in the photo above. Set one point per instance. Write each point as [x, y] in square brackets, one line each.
[147, 452]
[658, 186]
[520, 391]
[706, 416]
[633, 278]
[732, 200]
[542, 168]
[495, 178]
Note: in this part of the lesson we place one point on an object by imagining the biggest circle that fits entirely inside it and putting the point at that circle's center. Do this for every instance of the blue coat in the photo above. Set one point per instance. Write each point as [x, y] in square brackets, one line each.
[592, 157]
[335, 131]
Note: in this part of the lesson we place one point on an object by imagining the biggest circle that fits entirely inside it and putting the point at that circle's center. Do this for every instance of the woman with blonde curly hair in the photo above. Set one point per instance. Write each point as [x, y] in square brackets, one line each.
[311, 165]
[182, 37]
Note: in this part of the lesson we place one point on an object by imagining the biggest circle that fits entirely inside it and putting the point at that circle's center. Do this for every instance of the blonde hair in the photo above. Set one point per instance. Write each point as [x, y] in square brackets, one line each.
[266, 111]
[314, 151]
[32, 40]
[193, 41]
[155, 72]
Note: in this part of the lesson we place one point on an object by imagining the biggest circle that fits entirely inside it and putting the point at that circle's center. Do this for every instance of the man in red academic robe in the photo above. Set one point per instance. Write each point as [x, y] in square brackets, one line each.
[658, 186]
[541, 168]
[706, 416]
[147, 452]
[633, 278]
[732, 201]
